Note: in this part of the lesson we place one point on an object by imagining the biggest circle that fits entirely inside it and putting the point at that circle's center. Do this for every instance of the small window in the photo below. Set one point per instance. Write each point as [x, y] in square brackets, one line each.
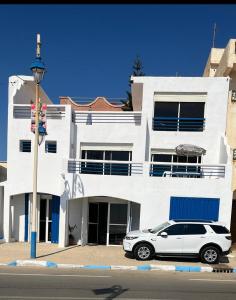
[195, 229]
[175, 229]
[219, 229]
[25, 146]
[50, 147]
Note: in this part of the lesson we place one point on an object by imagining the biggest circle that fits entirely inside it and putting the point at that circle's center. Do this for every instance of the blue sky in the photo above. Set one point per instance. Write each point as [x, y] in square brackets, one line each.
[89, 49]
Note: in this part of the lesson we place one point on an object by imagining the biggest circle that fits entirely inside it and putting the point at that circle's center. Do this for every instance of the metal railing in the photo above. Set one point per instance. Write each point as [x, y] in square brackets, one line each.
[104, 167]
[186, 170]
[178, 124]
[155, 169]
[91, 117]
[23, 111]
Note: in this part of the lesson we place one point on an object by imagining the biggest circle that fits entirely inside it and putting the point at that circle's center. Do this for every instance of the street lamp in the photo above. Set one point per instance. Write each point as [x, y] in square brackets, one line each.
[38, 69]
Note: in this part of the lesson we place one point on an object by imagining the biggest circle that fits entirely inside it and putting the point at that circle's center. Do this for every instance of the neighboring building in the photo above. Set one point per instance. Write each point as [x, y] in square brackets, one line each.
[105, 172]
[3, 178]
[222, 62]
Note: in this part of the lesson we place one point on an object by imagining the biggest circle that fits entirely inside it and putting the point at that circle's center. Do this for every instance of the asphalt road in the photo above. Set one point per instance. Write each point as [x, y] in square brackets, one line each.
[51, 284]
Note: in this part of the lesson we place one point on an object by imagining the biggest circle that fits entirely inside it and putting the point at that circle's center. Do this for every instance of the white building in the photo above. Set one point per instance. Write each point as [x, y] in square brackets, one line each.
[108, 172]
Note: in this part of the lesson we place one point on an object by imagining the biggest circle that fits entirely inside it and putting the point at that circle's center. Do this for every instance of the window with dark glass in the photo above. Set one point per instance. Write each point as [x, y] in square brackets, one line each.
[195, 229]
[191, 116]
[219, 229]
[175, 170]
[51, 147]
[177, 229]
[118, 223]
[25, 146]
[178, 116]
[106, 168]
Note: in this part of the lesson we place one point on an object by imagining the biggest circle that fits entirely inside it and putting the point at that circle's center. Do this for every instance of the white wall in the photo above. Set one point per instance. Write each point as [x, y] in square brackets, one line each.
[20, 164]
[18, 217]
[153, 193]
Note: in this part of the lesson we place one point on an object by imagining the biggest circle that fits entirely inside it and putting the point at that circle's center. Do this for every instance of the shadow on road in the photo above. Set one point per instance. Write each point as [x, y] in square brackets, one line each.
[223, 259]
[114, 291]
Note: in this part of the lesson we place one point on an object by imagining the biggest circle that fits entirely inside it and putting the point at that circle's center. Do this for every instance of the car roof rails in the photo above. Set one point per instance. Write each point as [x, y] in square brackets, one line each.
[193, 220]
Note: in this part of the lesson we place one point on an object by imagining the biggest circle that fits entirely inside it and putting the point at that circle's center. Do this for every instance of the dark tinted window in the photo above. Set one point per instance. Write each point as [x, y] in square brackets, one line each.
[194, 229]
[177, 229]
[166, 109]
[51, 147]
[192, 110]
[219, 229]
[25, 146]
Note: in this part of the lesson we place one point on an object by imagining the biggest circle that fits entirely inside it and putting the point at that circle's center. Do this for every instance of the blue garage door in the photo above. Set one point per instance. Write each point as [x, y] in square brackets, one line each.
[194, 208]
[55, 218]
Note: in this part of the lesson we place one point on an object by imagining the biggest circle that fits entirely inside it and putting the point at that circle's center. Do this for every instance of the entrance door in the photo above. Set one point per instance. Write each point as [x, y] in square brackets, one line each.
[97, 227]
[117, 223]
[45, 220]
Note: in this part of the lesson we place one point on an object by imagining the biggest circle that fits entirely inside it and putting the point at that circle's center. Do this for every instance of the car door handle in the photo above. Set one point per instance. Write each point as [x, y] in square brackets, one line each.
[202, 237]
[179, 238]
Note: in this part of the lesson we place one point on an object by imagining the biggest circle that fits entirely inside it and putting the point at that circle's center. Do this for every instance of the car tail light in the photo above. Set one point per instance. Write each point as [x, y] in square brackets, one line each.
[228, 237]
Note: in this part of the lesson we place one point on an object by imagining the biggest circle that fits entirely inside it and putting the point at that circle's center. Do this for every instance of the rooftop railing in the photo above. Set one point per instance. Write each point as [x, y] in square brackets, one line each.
[178, 124]
[23, 111]
[91, 117]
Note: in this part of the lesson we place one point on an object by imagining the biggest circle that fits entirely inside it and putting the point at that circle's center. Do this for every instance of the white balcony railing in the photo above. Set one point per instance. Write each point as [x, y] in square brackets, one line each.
[152, 169]
[91, 117]
[23, 111]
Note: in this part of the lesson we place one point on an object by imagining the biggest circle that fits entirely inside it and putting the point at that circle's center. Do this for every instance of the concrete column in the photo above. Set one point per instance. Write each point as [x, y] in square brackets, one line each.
[7, 217]
[63, 222]
[84, 225]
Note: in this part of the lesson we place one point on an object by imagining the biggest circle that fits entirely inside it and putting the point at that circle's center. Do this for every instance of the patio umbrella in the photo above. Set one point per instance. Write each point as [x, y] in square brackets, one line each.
[189, 150]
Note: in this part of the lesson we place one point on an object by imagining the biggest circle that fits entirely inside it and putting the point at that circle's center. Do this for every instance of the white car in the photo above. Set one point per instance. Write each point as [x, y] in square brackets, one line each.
[187, 238]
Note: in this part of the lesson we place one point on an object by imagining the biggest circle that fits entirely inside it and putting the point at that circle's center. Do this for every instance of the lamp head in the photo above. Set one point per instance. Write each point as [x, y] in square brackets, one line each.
[38, 69]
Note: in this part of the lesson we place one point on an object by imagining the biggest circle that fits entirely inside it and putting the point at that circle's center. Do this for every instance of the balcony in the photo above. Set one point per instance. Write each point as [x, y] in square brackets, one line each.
[104, 167]
[186, 170]
[178, 124]
[150, 169]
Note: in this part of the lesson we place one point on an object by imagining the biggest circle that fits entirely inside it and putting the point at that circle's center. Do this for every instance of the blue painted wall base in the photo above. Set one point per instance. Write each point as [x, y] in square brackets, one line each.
[33, 244]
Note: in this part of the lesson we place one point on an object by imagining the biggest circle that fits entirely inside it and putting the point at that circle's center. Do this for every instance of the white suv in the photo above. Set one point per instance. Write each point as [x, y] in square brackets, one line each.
[188, 238]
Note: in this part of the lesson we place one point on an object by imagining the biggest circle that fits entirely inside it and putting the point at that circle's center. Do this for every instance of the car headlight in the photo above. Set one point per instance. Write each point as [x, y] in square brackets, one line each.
[131, 237]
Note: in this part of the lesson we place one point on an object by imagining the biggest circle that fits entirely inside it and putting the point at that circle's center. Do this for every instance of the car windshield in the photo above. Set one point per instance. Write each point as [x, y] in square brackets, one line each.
[159, 227]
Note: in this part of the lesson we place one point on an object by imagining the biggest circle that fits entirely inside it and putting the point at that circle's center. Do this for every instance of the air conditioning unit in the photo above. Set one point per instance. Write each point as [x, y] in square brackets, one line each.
[233, 96]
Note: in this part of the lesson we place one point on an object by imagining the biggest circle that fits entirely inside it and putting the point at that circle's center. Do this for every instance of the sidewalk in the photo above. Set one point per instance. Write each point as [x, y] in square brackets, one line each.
[93, 255]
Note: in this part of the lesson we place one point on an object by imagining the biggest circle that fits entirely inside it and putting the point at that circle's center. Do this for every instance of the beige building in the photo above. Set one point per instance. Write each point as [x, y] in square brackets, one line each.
[222, 62]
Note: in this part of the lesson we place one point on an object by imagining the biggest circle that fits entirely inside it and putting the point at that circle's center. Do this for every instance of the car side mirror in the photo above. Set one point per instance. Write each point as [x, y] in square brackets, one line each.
[164, 234]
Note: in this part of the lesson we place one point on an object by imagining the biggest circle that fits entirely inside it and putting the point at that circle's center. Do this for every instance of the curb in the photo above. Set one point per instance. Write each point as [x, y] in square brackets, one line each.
[173, 268]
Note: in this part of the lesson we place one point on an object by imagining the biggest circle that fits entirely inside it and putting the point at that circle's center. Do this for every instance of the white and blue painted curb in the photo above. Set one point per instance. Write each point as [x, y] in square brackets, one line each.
[49, 264]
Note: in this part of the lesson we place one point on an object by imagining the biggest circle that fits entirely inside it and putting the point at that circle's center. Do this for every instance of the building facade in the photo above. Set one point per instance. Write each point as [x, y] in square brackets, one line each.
[222, 63]
[103, 172]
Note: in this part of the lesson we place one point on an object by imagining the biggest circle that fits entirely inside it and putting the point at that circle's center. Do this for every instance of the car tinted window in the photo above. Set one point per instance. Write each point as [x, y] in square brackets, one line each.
[194, 229]
[219, 229]
[177, 229]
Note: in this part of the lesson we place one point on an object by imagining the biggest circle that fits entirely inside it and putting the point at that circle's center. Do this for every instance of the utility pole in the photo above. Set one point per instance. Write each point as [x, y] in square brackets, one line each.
[38, 70]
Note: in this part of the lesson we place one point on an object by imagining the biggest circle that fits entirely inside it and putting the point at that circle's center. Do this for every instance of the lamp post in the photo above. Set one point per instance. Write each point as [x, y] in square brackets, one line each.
[38, 70]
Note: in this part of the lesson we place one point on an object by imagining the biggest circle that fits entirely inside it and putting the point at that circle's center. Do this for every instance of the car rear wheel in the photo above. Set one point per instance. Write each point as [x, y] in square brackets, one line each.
[143, 252]
[210, 255]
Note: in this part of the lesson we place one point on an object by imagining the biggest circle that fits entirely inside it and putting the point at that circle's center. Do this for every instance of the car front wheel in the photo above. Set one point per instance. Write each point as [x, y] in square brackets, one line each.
[143, 252]
[210, 255]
